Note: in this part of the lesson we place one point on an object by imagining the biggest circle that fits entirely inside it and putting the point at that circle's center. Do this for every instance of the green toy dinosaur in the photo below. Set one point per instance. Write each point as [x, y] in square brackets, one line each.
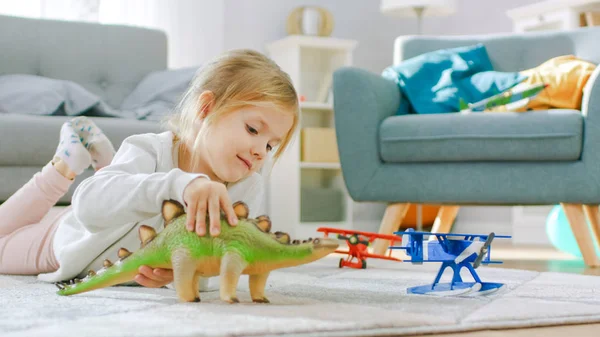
[247, 248]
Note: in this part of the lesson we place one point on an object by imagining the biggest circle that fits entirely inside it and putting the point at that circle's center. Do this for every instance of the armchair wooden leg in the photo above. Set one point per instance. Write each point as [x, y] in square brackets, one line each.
[445, 219]
[392, 218]
[577, 220]
[591, 212]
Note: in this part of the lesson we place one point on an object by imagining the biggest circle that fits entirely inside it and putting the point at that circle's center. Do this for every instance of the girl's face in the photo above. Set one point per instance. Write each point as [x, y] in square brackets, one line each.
[238, 144]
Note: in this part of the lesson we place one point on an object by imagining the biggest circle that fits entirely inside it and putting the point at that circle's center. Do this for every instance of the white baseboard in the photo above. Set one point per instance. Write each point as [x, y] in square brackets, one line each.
[526, 224]
[529, 225]
[483, 220]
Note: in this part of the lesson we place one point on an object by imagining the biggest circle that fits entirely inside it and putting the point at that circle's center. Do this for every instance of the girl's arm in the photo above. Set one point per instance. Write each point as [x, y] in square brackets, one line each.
[129, 189]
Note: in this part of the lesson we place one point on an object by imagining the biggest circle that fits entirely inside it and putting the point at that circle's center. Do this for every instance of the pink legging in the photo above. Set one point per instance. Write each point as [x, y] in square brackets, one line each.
[27, 226]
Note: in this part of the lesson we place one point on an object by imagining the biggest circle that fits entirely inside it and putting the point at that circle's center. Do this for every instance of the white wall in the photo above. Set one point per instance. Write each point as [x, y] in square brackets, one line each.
[254, 23]
[195, 28]
[200, 29]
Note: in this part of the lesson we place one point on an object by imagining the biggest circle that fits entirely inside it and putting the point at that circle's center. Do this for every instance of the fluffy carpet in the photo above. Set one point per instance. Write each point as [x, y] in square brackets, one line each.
[312, 300]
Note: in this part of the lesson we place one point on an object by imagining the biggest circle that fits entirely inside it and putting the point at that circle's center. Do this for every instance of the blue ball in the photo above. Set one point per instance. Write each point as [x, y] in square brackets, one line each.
[560, 234]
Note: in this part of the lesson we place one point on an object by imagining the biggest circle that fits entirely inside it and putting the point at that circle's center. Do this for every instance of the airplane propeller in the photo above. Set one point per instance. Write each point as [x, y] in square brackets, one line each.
[484, 250]
[353, 239]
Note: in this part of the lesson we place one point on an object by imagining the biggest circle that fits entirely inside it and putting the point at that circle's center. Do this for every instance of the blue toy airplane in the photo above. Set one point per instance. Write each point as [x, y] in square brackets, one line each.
[456, 251]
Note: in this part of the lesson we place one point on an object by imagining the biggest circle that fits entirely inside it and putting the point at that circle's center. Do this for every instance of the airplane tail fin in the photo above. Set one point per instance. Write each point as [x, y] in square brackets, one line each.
[407, 238]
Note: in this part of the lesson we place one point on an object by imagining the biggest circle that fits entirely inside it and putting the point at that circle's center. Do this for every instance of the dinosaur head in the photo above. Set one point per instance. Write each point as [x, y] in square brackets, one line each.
[302, 252]
[322, 247]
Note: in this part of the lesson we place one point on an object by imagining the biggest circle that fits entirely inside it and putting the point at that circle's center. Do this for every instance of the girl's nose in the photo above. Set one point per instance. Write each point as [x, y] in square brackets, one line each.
[259, 152]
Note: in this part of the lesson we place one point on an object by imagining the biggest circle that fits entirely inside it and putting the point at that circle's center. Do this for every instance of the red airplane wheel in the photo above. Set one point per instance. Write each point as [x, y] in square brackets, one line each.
[341, 264]
[364, 264]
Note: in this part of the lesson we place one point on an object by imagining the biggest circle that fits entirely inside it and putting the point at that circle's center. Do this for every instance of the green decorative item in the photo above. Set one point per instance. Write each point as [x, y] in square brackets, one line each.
[504, 98]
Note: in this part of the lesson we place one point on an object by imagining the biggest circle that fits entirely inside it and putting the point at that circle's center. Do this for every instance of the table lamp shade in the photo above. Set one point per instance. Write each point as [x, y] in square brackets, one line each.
[407, 7]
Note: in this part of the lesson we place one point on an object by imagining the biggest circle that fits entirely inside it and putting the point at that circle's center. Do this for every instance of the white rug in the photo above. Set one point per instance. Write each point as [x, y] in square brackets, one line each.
[313, 300]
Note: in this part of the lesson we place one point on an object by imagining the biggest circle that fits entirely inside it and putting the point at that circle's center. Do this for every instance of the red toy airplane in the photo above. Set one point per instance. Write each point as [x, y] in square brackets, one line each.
[357, 244]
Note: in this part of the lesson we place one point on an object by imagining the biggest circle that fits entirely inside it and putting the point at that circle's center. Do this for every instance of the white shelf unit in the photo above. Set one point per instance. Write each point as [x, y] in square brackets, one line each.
[551, 15]
[310, 61]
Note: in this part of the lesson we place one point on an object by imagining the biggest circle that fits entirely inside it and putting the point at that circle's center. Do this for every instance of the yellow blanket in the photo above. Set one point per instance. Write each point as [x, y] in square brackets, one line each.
[565, 76]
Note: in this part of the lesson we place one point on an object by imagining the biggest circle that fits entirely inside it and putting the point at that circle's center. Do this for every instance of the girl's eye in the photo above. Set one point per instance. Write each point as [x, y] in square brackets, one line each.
[251, 129]
[255, 132]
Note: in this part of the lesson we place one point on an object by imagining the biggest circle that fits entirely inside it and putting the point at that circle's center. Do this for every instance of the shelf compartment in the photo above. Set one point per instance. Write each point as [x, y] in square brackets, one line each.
[321, 204]
[319, 145]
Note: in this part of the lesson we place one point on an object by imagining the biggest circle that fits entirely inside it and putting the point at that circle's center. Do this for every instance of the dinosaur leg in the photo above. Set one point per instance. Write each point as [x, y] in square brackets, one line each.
[257, 285]
[232, 266]
[196, 285]
[184, 276]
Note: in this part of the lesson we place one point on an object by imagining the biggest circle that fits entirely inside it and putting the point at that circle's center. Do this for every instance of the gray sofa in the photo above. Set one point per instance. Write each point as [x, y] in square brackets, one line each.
[107, 60]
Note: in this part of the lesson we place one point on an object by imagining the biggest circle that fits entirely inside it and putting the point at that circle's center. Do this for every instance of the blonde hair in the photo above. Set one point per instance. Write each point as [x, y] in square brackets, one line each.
[238, 78]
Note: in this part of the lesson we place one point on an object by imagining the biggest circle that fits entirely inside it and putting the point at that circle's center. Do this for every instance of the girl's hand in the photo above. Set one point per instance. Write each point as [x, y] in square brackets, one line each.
[202, 196]
[154, 278]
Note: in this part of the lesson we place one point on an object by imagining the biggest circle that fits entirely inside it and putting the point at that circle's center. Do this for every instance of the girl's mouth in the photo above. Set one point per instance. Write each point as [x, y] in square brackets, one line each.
[247, 163]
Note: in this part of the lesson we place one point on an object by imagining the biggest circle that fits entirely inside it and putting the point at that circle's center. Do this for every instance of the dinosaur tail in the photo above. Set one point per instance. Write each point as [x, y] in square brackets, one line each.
[121, 271]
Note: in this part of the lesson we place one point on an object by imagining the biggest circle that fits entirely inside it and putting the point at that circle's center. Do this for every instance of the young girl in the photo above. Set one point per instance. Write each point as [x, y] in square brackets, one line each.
[238, 109]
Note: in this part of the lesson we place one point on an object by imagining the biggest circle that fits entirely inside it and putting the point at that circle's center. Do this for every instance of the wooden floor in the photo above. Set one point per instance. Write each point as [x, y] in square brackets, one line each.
[581, 330]
[538, 259]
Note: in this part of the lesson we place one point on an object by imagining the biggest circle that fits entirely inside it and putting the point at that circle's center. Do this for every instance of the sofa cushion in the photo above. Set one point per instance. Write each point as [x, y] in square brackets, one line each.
[158, 93]
[27, 140]
[38, 95]
[544, 135]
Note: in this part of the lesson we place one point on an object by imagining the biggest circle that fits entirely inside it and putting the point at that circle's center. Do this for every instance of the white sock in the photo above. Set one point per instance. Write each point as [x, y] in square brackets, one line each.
[92, 137]
[71, 151]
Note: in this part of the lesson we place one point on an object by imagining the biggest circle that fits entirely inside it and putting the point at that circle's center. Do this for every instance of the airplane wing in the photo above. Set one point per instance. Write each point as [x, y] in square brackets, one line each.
[464, 236]
[417, 247]
[371, 236]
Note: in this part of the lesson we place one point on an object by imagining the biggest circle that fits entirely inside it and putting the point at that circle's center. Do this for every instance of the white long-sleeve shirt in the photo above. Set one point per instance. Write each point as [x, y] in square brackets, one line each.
[109, 207]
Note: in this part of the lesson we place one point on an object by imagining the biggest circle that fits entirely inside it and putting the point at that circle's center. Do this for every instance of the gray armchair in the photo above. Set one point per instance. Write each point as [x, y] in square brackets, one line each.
[532, 158]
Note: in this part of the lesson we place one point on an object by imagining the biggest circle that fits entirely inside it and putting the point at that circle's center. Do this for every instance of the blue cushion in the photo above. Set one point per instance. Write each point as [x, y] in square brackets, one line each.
[434, 82]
